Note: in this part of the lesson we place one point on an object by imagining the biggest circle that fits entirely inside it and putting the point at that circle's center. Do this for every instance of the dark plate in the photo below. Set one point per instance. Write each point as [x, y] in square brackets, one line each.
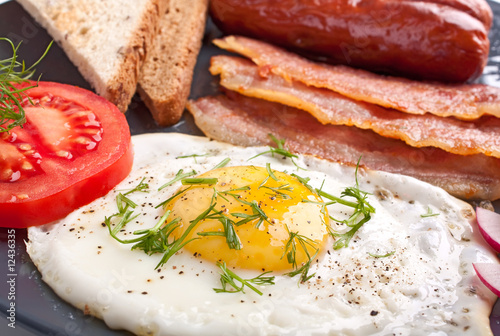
[38, 310]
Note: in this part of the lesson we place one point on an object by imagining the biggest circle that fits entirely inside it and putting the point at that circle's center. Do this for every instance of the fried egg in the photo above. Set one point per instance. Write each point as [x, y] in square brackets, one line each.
[407, 270]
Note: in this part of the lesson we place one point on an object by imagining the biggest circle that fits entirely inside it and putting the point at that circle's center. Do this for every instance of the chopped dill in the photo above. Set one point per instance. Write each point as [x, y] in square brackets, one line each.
[238, 284]
[12, 74]
[279, 150]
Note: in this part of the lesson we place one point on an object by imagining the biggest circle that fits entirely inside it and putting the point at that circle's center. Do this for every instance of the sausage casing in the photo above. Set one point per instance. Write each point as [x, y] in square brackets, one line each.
[443, 40]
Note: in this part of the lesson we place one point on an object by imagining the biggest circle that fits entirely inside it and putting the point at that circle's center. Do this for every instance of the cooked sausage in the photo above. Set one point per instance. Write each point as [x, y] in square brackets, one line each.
[443, 40]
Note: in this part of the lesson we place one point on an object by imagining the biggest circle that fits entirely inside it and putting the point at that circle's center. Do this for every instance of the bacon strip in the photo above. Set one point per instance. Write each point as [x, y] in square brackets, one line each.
[449, 134]
[247, 121]
[464, 101]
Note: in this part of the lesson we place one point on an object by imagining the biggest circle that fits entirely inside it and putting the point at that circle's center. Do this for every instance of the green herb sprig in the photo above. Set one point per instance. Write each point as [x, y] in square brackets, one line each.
[257, 212]
[361, 215]
[13, 73]
[388, 254]
[304, 270]
[429, 213]
[238, 284]
[295, 240]
[305, 182]
[229, 232]
[279, 192]
[199, 181]
[124, 204]
[158, 239]
[279, 150]
[194, 156]
[175, 245]
[178, 177]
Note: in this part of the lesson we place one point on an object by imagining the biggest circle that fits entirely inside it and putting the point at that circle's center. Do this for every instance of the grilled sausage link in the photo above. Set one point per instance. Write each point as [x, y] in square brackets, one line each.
[443, 40]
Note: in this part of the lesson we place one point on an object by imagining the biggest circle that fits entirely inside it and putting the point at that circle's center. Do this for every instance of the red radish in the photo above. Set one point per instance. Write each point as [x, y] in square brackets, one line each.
[489, 226]
[489, 273]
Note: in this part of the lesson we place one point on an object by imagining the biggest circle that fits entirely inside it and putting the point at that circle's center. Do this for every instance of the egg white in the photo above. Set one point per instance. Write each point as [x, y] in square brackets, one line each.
[426, 287]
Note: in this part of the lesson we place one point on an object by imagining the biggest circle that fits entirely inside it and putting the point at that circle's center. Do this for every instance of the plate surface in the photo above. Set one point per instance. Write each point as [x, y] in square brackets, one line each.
[38, 310]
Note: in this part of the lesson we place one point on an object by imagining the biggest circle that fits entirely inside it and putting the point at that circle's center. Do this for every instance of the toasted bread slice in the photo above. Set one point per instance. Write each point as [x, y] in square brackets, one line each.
[165, 82]
[107, 40]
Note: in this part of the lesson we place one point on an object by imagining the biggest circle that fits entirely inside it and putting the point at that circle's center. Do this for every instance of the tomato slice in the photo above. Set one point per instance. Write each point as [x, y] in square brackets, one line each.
[74, 148]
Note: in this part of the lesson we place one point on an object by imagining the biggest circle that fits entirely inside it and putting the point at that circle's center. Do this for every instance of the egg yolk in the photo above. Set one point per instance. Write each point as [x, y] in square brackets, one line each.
[261, 221]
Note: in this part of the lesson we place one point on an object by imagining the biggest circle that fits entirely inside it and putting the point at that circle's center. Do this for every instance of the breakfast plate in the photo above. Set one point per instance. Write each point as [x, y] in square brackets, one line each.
[26, 302]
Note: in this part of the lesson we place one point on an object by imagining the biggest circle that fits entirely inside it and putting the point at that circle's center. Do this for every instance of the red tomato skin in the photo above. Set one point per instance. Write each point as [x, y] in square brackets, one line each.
[25, 214]
[95, 175]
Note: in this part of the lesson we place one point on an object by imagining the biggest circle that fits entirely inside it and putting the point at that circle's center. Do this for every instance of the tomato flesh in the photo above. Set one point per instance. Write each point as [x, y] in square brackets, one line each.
[74, 148]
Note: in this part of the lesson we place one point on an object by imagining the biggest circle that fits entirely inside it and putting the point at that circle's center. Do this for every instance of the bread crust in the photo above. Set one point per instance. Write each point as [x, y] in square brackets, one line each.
[119, 85]
[166, 77]
[122, 87]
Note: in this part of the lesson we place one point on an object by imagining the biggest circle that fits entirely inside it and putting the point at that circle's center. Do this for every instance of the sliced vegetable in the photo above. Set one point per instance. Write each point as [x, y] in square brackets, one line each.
[489, 274]
[13, 73]
[74, 147]
[489, 226]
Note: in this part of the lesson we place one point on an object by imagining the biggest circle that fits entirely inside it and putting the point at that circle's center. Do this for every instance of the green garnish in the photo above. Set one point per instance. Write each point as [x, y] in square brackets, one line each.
[124, 217]
[154, 240]
[160, 239]
[142, 186]
[178, 177]
[336, 199]
[199, 180]
[361, 215]
[264, 181]
[12, 73]
[322, 204]
[280, 150]
[223, 163]
[305, 181]
[246, 217]
[429, 213]
[278, 191]
[304, 270]
[382, 255]
[254, 206]
[232, 239]
[258, 212]
[123, 203]
[164, 203]
[171, 247]
[238, 284]
[270, 172]
[194, 156]
[231, 193]
[291, 250]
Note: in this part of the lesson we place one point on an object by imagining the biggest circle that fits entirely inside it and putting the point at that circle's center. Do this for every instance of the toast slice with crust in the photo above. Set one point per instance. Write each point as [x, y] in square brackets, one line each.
[107, 40]
[166, 77]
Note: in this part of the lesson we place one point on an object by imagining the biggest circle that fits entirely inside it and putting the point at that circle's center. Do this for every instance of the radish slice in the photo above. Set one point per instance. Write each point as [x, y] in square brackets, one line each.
[489, 274]
[489, 226]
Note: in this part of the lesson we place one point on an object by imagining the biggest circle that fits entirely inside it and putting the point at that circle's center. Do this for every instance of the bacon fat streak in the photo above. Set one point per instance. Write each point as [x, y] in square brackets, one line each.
[247, 121]
[464, 101]
[450, 134]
